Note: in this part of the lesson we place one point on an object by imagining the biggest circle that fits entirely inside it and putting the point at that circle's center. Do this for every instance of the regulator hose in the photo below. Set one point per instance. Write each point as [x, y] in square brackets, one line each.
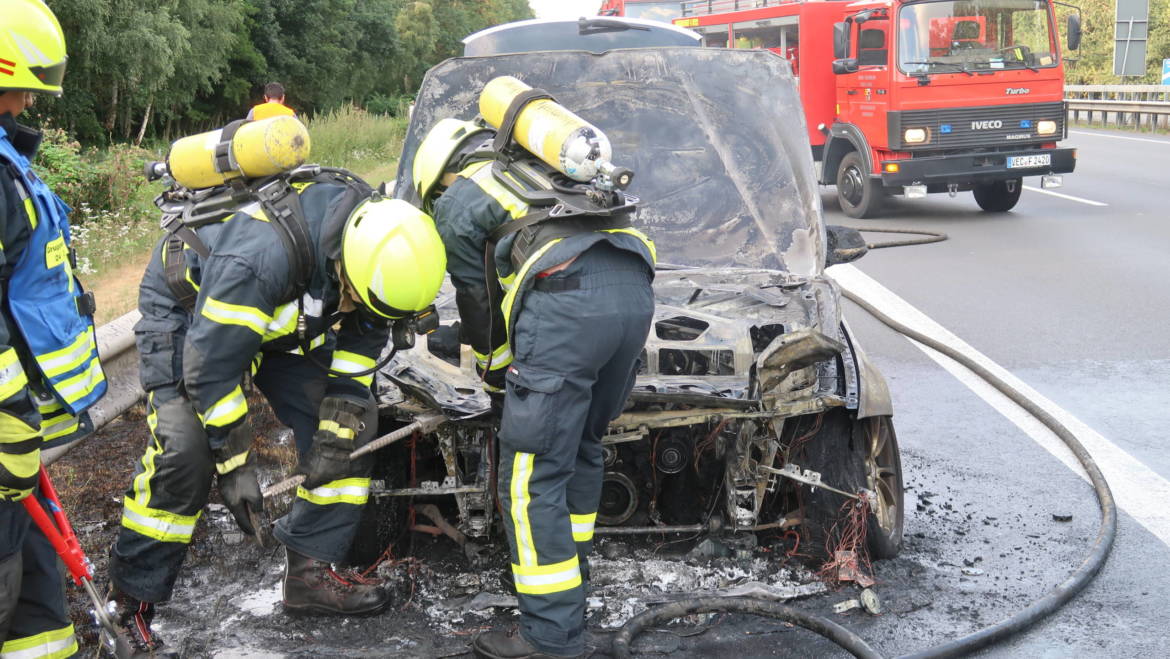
[1036, 611]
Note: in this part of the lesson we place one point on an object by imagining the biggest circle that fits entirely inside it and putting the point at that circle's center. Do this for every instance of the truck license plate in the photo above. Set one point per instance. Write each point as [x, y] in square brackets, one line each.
[1041, 160]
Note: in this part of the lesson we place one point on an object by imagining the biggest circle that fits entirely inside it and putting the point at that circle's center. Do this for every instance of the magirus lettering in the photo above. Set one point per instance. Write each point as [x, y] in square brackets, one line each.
[986, 124]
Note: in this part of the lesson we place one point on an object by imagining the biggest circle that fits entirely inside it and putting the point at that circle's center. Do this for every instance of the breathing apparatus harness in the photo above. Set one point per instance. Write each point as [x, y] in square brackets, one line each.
[559, 207]
[185, 210]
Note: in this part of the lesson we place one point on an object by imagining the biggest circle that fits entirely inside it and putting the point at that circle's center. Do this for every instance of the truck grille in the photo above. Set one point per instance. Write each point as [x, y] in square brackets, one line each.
[995, 125]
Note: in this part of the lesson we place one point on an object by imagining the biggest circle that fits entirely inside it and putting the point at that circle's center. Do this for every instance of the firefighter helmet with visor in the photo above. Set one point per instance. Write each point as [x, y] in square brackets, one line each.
[438, 148]
[393, 257]
[32, 48]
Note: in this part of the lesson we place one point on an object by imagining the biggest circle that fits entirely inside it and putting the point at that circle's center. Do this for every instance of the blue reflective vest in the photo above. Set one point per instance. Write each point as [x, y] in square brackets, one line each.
[44, 295]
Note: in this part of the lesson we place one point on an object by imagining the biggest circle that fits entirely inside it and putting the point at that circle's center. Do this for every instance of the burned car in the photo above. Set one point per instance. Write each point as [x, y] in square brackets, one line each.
[754, 410]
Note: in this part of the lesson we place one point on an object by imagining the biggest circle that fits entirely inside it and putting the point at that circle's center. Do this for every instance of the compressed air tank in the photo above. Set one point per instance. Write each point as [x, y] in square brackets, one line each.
[258, 148]
[548, 130]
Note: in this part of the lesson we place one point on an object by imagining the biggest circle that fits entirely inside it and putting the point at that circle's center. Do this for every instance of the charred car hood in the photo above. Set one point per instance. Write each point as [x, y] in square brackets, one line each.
[716, 139]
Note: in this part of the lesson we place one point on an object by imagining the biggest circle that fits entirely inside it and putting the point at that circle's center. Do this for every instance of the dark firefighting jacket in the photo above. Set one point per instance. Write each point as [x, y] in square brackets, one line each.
[248, 304]
[465, 215]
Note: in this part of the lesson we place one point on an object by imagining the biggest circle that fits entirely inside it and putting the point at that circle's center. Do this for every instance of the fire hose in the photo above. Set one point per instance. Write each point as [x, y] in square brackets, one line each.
[982, 638]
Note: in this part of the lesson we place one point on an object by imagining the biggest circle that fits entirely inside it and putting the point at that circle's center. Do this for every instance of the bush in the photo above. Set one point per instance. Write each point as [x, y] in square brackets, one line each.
[101, 180]
[392, 106]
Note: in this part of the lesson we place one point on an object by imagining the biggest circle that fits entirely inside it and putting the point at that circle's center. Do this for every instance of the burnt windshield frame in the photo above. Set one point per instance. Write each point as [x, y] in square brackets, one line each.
[985, 9]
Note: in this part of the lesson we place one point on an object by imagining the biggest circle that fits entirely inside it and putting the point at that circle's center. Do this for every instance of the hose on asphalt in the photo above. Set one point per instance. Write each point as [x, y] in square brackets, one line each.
[851, 642]
[931, 237]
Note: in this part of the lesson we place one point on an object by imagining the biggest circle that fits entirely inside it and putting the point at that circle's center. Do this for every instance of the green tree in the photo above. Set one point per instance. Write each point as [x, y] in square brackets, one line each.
[1092, 64]
[418, 36]
[168, 67]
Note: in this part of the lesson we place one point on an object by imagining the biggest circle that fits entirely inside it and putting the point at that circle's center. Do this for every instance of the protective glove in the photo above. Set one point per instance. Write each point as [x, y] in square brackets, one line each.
[342, 429]
[236, 465]
[241, 494]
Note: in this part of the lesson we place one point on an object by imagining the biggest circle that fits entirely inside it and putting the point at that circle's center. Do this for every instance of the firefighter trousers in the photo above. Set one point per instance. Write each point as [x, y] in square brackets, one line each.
[577, 339]
[173, 479]
[34, 618]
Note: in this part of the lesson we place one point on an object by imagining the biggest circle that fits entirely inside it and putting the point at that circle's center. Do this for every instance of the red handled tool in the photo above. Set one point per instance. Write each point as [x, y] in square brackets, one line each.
[64, 540]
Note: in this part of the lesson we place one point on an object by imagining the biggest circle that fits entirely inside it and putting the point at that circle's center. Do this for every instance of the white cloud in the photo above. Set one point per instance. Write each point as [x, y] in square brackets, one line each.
[564, 8]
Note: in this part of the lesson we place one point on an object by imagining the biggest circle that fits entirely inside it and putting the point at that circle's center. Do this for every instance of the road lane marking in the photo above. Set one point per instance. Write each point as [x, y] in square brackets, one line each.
[1138, 490]
[1066, 196]
[1119, 137]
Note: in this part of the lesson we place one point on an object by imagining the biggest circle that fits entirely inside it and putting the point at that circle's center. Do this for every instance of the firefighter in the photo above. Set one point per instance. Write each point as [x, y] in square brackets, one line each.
[273, 105]
[579, 306]
[375, 260]
[49, 369]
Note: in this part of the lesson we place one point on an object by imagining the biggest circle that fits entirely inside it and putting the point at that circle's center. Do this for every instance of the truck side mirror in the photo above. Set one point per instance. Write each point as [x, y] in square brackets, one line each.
[1074, 31]
[840, 40]
[845, 244]
[845, 65]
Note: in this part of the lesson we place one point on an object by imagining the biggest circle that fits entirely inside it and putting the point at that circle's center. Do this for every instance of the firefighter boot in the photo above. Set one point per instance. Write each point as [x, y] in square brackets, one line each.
[133, 618]
[311, 586]
[510, 645]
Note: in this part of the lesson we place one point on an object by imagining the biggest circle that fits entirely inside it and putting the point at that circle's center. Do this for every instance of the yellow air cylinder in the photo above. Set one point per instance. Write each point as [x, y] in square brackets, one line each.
[259, 148]
[548, 130]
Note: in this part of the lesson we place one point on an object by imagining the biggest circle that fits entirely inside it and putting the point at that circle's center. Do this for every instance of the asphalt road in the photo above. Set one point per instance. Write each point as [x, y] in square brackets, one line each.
[1069, 294]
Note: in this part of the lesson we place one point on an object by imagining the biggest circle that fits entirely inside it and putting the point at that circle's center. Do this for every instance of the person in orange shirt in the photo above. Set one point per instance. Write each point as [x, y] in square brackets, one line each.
[273, 105]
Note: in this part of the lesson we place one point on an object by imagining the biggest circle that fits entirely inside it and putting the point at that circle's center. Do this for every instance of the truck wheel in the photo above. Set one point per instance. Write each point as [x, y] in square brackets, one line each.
[999, 196]
[860, 194]
[853, 454]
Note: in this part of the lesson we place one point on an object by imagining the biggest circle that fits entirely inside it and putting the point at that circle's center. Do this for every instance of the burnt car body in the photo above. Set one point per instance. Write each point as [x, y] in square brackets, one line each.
[595, 34]
[754, 408]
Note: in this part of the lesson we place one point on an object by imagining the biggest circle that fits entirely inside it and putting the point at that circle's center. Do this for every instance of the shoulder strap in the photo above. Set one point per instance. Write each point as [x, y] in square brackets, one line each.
[283, 207]
[175, 272]
[503, 230]
[504, 134]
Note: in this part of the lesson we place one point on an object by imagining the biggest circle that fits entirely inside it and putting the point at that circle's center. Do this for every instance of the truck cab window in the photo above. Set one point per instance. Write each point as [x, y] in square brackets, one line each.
[974, 35]
[871, 46]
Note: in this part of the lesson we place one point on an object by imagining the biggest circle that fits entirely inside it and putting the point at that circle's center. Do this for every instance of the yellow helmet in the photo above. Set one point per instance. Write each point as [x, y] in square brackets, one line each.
[436, 150]
[393, 257]
[32, 48]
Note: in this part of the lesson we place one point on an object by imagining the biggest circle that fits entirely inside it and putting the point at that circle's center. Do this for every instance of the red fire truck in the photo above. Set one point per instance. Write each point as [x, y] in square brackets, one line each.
[911, 96]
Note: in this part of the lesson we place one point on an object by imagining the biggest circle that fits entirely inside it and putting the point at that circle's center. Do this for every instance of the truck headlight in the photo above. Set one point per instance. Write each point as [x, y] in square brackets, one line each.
[1046, 127]
[915, 135]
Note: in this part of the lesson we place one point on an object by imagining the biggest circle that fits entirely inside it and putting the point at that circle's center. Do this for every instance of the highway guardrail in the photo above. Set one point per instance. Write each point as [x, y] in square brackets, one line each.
[1134, 106]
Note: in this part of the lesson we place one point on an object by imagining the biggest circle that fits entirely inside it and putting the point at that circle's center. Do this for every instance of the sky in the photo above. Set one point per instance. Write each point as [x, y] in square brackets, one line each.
[564, 8]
